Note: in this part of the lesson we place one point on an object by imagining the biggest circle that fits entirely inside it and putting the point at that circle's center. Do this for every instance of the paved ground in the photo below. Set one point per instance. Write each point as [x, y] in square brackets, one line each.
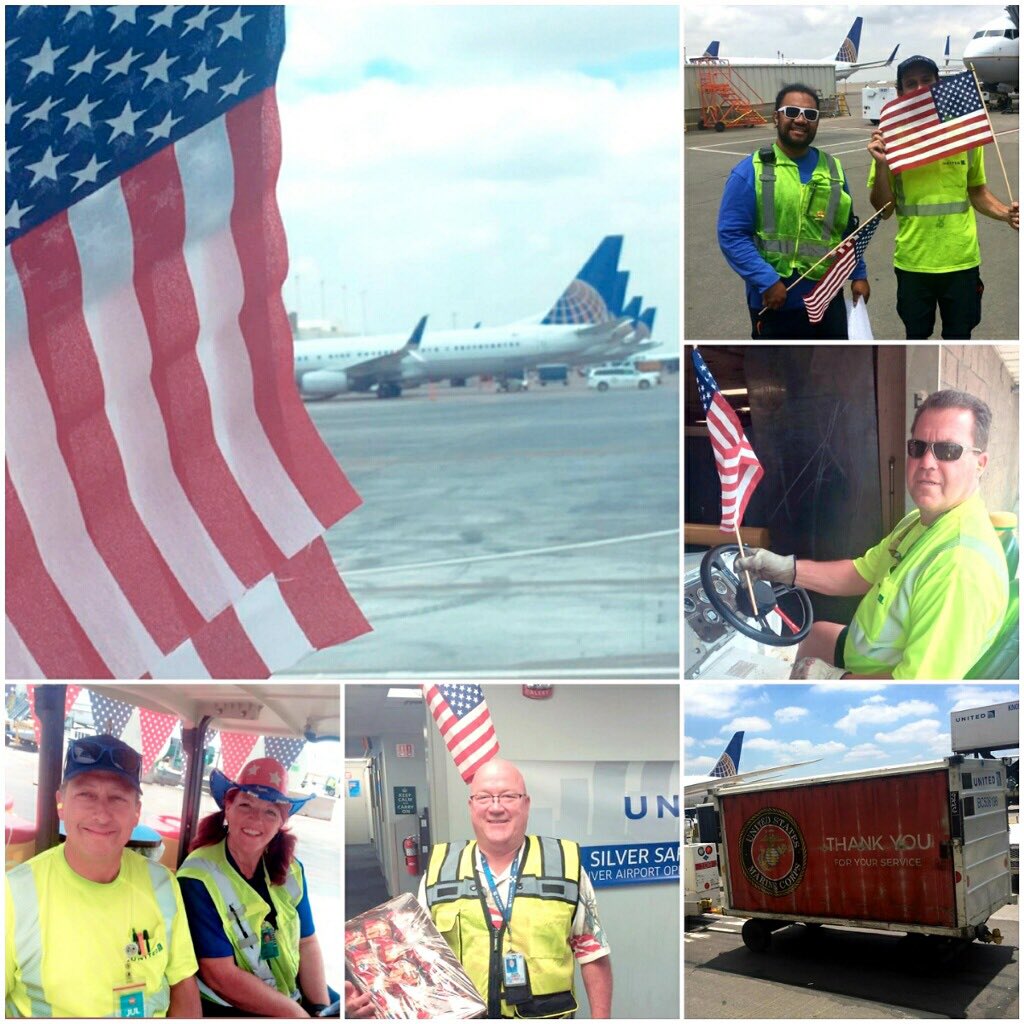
[714, 294]
[319, 846]
[847, 973]
[526, 534]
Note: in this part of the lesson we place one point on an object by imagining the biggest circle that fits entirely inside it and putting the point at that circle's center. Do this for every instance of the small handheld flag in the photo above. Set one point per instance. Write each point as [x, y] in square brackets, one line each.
[818, 298]
[465, 724]
[934, 121]
[738, 467]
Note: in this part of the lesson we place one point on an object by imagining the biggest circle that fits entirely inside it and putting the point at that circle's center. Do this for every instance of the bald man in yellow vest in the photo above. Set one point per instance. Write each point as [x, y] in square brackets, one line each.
[521, 955]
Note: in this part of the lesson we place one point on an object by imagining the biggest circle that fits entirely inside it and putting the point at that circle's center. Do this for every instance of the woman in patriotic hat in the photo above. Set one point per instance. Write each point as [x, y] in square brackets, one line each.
[247, 904]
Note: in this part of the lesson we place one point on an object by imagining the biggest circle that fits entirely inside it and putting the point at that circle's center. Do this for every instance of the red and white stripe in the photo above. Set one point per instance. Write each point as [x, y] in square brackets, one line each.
[164, 483]
[738, 467]
[914, 135]
[584, 946]
[821, 295]
[471, 740]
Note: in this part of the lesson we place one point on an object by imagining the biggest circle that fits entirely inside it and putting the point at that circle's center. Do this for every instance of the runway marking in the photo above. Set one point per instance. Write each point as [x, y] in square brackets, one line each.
[631, 538]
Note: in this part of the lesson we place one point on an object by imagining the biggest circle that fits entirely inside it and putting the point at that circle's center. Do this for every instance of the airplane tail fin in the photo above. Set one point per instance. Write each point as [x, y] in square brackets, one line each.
[729, 762]
[619, 295]
[632, 308]
[417, 335]
[946, 53]
[712, 50]
[590, 296]
[892, 56]
[645, 323]
[851, 44]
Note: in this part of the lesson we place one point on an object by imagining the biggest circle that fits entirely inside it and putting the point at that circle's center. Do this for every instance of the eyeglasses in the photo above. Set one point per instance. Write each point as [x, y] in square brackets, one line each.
[810, 114]
[89, 752]
[505, 799]
[944, 451]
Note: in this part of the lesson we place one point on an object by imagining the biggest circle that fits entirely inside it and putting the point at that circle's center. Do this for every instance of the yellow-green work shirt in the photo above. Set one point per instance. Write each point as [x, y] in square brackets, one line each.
[935, 607]
[944, 243]
[68, 953]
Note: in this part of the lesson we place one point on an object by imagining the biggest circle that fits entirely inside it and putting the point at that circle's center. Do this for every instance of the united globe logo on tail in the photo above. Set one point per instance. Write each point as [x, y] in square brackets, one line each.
[772, 851]
[580, 303]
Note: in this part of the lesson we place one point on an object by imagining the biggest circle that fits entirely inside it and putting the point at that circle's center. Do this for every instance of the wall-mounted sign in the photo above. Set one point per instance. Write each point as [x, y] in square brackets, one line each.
[537, 691]
[354, 787]
[403, 750]
[631, 863]
[405, 799]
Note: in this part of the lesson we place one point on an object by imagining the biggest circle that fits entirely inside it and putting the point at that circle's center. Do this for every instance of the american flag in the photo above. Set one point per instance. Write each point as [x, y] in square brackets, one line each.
[110, 716]
[934, 121]
[738, 468]
[283, 748]
[166, 492]
[817, 300]
[465, 724]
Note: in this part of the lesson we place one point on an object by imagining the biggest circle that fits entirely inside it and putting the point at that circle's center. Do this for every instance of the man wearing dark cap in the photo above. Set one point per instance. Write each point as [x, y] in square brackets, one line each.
[94, 929]
[937, 259]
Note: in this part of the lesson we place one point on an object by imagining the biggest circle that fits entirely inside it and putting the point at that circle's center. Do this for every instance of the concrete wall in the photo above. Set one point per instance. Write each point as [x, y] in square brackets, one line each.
[599, 723]
[979, 370]
[357, 809]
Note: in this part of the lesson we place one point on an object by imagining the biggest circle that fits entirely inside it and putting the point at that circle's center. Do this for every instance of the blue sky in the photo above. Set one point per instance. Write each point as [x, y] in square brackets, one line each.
[467, 160]
[816, 32]
[850, 726]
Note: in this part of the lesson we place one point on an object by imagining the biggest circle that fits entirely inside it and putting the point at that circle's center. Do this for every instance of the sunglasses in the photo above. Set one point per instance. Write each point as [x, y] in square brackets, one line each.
[944, 451]
[86, 752]
[810, 114]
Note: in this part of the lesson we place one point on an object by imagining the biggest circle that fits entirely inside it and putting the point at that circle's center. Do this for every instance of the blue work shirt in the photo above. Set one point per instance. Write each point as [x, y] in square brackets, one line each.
[737, 230]
[208, 935]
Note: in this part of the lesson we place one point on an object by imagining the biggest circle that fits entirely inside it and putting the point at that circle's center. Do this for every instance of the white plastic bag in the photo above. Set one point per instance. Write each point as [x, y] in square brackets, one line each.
[858, 325]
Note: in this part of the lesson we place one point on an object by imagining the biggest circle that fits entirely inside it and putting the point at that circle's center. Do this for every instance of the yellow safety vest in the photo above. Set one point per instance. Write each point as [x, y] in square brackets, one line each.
[799, 224]
[242, 913]
[547, 893]
[69, 937]
[914, 620]
[938, 231]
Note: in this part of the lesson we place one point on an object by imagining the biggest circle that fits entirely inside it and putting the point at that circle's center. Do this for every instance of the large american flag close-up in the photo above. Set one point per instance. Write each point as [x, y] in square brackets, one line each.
[167, 495]
[464, 723]
[738, 467]
[934, 121]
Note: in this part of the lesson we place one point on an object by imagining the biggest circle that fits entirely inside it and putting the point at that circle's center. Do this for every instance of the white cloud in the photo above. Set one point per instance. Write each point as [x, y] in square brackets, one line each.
[878, 712]
[790, 714]
[717, 700]
[865, 752]
[749, 724]
[925, 732]
[961, 697]
[700, 765]
[795, 749]
[688, 741]
[841, 686]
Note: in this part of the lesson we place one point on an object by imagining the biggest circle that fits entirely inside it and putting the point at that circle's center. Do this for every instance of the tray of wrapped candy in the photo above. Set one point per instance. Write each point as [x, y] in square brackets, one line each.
[395, 955]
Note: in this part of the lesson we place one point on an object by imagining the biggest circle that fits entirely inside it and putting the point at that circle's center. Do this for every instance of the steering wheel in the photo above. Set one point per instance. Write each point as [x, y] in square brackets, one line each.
[727, 592]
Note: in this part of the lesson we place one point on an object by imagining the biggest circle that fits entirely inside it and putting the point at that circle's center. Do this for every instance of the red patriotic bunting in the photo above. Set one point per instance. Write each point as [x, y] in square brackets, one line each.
[156, 730]
[235, 748]
[71, 692]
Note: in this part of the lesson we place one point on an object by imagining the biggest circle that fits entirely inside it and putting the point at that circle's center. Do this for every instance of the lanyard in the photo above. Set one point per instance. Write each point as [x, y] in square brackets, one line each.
[506, 915]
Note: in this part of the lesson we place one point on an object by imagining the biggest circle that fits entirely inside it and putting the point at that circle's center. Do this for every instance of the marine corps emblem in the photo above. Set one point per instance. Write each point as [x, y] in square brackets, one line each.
[772, 851]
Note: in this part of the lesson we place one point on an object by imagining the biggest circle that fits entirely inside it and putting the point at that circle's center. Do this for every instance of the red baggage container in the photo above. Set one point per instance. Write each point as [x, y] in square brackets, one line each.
[916, 848]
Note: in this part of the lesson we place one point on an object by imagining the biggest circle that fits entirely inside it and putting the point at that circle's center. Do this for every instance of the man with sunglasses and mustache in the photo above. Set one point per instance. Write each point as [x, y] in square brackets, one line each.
[935, 590]
[94, 929]
[782, 210]
[937, 259]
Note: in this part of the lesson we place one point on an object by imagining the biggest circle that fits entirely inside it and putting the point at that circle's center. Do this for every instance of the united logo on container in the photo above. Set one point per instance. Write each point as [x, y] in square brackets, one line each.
[772, 851]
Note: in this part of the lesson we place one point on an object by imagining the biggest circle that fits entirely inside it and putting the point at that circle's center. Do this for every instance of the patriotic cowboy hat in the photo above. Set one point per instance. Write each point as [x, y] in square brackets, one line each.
[264, 777]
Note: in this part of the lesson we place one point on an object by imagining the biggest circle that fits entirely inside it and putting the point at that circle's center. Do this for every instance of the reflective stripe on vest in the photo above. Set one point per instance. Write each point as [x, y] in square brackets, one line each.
[886, 648]
[789, 252]
[27, 941]
[904, 209]
[545, 903]
[245, 940]
[163, 890]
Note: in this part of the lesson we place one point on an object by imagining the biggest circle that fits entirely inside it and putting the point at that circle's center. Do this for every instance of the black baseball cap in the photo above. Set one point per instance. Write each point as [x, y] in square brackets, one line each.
[917, 59]
[103, 754]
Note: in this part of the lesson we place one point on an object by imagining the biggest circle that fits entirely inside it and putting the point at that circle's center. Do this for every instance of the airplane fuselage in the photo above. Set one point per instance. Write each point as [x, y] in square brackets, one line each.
[995, 53]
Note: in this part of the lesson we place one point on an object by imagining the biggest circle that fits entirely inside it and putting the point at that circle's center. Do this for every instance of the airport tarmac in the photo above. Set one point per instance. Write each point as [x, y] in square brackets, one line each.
[715, 304]
[531, 534]
[847, 973]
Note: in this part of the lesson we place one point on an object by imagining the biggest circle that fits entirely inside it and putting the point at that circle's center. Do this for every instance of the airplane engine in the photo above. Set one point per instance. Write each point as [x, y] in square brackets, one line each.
[323, 383]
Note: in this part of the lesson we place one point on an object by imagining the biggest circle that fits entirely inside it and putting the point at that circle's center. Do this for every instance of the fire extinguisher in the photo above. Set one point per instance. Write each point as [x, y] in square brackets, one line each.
[412, 854]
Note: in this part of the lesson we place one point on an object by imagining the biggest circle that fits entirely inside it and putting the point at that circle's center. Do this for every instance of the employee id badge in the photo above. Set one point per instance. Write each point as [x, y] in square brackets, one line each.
[516, 978]
[268, 943]
[130, 1000]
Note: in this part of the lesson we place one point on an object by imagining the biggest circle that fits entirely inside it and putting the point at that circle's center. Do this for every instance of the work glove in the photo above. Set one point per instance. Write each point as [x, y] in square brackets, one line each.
[766, 565]
[815, 668]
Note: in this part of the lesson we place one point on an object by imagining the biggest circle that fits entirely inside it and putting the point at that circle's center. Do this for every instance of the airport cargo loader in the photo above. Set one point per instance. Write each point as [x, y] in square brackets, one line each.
[920, 848]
